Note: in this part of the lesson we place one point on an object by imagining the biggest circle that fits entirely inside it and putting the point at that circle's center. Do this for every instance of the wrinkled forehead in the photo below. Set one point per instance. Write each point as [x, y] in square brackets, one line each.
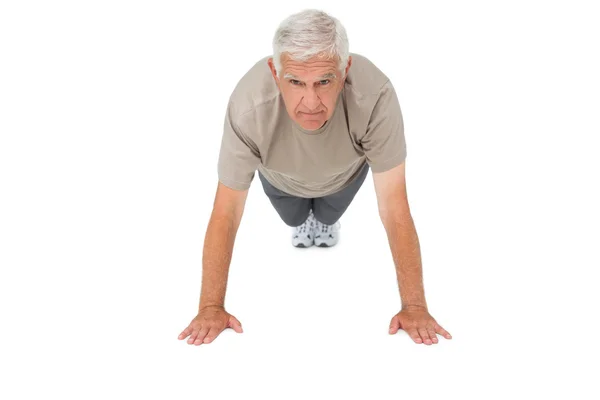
[313, 69]
[305, 77]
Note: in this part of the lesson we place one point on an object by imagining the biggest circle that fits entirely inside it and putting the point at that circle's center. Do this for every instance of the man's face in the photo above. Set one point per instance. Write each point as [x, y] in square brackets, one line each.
[309, 89]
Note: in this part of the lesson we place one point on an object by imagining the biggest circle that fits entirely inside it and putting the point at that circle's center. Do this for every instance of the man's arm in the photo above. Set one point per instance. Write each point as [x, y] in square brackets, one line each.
[225, 219]
[394, 211]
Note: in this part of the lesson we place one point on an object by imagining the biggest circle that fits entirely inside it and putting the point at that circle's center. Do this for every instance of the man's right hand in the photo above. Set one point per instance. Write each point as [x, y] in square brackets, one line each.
[208, 324]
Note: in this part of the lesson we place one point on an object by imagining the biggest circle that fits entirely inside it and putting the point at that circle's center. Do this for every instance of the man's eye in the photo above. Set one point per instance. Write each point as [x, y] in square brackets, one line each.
[321, 82]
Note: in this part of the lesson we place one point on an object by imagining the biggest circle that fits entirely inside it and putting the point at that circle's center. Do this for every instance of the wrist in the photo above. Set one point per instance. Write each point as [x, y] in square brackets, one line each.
[203, 306]
[414, 307]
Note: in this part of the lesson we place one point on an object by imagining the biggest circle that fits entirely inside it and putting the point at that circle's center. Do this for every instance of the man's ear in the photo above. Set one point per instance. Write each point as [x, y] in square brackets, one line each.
[348, 67]
[273, 71]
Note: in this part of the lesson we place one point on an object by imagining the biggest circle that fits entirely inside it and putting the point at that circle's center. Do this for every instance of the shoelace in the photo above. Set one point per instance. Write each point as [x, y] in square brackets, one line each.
[323, 227]
[303, 228]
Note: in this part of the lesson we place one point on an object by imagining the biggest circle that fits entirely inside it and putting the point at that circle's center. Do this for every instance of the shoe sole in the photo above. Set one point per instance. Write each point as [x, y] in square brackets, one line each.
[325, 245]
[302, 246]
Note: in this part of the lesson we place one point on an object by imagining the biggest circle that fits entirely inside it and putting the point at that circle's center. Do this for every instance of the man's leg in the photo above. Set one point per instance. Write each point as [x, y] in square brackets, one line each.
[293, 210]
[329, 209]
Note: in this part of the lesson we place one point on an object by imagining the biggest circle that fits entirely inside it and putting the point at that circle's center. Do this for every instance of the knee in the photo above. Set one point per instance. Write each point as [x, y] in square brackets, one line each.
[295, 220]
[326, 220]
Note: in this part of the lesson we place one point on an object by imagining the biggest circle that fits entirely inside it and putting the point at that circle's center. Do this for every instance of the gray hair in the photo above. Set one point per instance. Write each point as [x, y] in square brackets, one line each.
[311, 33]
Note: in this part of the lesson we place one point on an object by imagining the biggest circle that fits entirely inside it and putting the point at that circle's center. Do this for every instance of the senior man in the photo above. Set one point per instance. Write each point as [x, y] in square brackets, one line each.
[312, 119]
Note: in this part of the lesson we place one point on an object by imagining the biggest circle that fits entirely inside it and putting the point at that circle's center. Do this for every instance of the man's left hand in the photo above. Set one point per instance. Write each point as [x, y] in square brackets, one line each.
[419, 325]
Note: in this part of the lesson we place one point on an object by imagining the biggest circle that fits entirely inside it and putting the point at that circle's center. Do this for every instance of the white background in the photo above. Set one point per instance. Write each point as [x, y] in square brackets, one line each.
[110, 124]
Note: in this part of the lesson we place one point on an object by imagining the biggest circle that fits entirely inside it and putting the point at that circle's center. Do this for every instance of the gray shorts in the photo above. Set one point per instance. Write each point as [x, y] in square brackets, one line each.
[328, 210]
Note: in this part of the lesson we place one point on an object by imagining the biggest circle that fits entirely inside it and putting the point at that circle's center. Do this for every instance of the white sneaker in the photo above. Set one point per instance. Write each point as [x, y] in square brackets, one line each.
[327, 235]
[304, 235]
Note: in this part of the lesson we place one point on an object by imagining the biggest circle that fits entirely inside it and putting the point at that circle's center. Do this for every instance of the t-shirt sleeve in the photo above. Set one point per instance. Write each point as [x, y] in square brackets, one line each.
[239, 156]
[384, 144]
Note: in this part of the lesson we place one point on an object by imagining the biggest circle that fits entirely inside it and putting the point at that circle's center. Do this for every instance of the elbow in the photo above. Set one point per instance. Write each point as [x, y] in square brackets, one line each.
[395, 216]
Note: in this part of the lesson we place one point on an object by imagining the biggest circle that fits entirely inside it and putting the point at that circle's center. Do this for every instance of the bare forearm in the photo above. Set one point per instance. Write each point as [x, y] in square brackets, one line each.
[406, 253]
[216, 258]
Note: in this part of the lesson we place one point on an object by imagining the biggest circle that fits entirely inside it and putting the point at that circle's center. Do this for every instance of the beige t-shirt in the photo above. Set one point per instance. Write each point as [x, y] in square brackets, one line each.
[366, 126]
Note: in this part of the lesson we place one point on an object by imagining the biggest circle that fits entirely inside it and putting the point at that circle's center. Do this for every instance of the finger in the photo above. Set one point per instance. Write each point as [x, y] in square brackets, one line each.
[201, 335]
[211, 335]
[185, 333]
[442, 331]
[414, 334]
[235, 324]
[432, 334]
[425, 336]
[194, 334]
[394, 325]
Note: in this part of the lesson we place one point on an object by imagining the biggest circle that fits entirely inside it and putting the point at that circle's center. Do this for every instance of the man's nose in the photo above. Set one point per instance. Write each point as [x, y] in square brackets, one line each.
[311, 100]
